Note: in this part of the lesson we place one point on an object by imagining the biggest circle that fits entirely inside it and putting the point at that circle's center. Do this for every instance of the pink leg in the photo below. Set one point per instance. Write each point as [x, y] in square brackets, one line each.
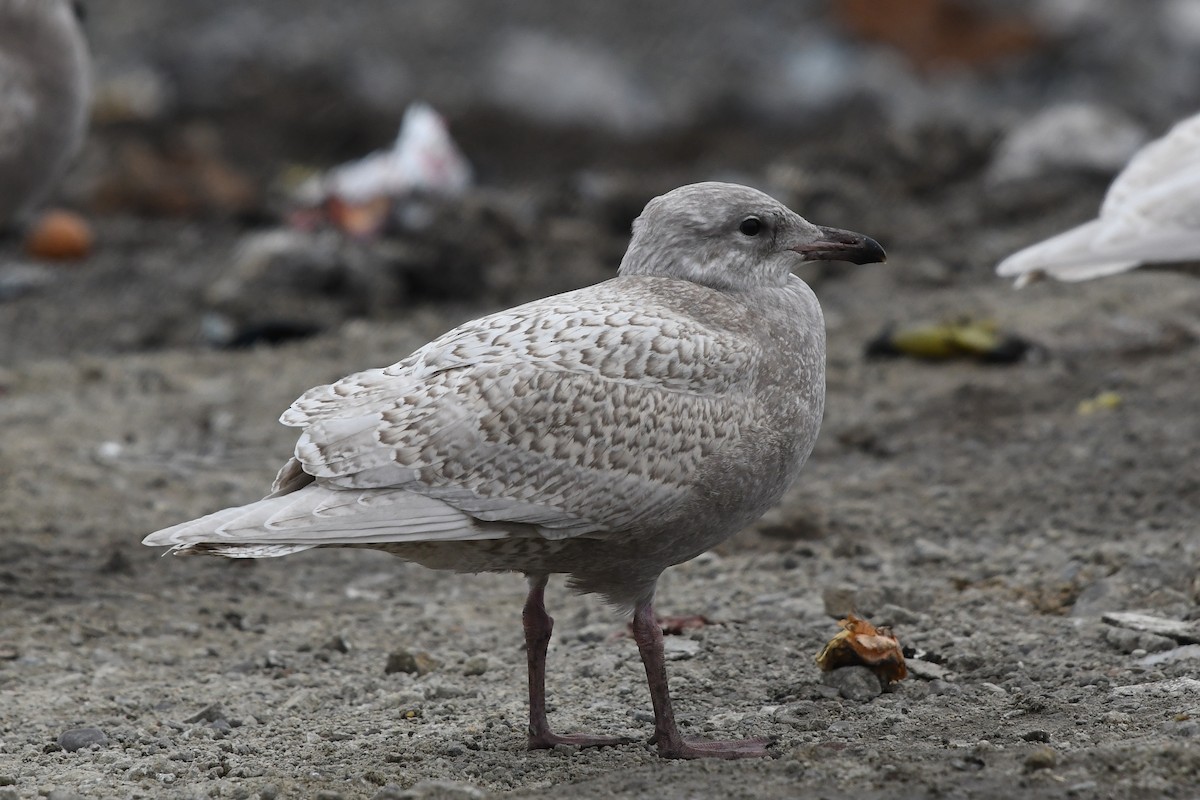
[649, 637]
[538, 626]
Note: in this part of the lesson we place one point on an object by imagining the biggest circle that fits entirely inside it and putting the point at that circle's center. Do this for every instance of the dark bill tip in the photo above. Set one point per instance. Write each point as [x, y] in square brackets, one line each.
[836, 244]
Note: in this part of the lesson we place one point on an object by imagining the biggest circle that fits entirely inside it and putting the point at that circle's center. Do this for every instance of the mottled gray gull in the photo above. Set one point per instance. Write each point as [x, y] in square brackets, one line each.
[1150, 215]
[606, 433]
[44, 96]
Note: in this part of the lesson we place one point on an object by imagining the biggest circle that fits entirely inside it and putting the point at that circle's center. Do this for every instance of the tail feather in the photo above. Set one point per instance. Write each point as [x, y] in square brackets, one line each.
[315, 516]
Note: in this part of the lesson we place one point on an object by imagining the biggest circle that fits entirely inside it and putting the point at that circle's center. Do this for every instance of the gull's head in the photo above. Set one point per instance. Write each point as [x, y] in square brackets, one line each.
[733, 237]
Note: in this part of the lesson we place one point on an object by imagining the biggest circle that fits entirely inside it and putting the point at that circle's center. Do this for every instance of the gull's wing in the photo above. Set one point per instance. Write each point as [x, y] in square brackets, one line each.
[575, 414]
[1150, 214]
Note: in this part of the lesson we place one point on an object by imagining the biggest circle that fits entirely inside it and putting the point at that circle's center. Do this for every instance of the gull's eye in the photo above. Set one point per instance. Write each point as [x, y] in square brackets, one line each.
[750, 226]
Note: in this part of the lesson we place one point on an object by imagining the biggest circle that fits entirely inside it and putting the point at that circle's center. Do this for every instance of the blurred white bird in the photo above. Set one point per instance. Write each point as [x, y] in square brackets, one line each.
[1150, 215]
[44, 99]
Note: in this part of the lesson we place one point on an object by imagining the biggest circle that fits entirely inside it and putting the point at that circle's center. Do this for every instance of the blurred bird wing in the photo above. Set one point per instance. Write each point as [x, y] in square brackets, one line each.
[1156, 163]
[1150, 214]
[575, 414]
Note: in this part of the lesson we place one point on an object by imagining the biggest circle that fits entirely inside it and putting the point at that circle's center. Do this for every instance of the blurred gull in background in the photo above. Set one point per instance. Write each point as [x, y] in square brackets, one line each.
[1150, 215]
[44, 99]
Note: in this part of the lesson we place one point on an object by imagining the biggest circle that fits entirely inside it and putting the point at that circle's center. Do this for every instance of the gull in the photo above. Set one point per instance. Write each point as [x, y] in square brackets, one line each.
[44, 96]
[1150, 215]
[605, 434]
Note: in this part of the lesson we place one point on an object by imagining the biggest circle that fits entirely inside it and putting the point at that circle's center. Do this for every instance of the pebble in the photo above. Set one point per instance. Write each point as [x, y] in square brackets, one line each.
[1042, 758]
[412, 663]
[79, 738]
[891, 615]
[1189, 652]
[337, 644]
[1182, 632]
[856, 683]
[1130, 641]
[925, 551]
[677, 649]
[475, 665]
[926, 670]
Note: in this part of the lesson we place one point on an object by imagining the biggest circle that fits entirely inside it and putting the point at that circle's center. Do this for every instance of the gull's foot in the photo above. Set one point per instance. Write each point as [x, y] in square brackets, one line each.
[699, 748]
[548, 740]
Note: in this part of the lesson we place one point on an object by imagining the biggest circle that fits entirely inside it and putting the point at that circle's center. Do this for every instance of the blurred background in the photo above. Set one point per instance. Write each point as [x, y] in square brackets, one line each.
[954, 131]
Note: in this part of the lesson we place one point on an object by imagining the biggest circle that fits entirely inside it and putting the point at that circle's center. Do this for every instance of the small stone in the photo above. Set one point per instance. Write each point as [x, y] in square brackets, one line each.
[1124, 640]
[890, 615]
[1036, 736]
[926, 670]
[79, 738]
[1182, 632]
[337, 644]
[210, 713]
[475, 665]
[677, 649]
[1189, 652]
[926, 551]
[412, 663]
[856, 683]
[1042, 758]
[268, 792]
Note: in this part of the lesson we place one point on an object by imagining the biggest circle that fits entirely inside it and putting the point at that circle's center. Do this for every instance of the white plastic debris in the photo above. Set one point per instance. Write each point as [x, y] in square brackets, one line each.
[423, 159]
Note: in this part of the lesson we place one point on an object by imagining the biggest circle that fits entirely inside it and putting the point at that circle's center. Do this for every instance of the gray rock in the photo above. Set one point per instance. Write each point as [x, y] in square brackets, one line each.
[855, 683]
[891, 615]
[1182, 632]
[79, 738]
[475, 665]
[1189, 652]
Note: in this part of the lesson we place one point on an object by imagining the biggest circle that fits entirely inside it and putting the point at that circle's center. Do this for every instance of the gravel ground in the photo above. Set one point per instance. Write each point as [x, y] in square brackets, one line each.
[972, 507]
[989, 513]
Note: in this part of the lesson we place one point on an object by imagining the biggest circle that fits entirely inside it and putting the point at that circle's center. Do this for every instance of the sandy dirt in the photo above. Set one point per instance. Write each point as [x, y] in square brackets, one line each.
[972, 507]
